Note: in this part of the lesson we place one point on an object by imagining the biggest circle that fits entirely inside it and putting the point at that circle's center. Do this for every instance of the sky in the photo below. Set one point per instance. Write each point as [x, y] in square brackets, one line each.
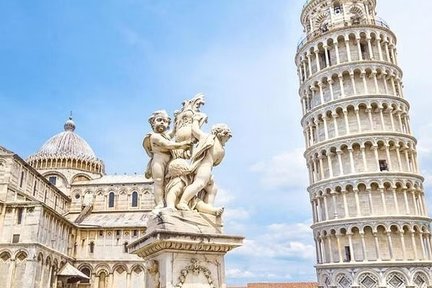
[115, 63]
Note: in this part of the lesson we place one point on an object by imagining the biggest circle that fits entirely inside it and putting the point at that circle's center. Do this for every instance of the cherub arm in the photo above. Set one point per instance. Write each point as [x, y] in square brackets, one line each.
[160, 141]
[196, 130]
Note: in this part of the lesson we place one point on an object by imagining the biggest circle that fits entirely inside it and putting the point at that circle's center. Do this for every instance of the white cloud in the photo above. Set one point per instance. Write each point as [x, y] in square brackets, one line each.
[424, 146]
[287, 169]
[238, 273]
[291, 241]
[224, 197]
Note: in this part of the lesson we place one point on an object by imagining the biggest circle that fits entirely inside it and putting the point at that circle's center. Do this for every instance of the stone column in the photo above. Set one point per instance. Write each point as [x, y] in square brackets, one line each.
[345, 203]
[374, 76]
[316, 51]
[324, 117]
[380, 49]
[335, 116]
[384, 205]
[371, 202]
[377, 250]
[357, 200]
[339, 247]
[386, 47]
[320, 85]
[356, 110]
[340, 76]
[395, 200]
[363, 152]
[327, 60]
[333, 194]
[407, 206]
[365, 86]
[308, 56]
[339, 155]
[330, 164]
[347, 127]
[353, 83]
[387, 150]
[359, 49]
[336, 45]
[351, 247]
[330, 248]
[330, 83]
[350, 151]
[371, 55]
[414, 244]
[385, 83]
[403, 245]
[390, 244]
[364, 249]
[347, 46]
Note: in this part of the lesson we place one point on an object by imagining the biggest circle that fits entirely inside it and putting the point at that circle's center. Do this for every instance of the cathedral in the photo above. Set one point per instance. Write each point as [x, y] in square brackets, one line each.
[370, 221]
[65, 223]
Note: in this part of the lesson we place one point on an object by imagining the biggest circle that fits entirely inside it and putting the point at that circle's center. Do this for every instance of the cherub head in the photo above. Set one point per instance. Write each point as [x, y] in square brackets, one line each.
[222, 132]
[159, 121]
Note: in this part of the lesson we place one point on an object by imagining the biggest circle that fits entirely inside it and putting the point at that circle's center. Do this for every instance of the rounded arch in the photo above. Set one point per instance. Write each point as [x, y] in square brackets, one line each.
[120, 268]
[343, 280]
[396, 279]
[420, 279]
[102, 267]
[367, 279]
[80, 177]
[21, 255]
[5, 255]
[137, 268]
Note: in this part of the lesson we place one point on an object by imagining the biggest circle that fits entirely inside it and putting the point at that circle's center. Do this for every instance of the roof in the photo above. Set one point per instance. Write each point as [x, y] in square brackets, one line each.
[67, 144]
[70, 271]
[283, 285]
[115, 179]
[115, 219]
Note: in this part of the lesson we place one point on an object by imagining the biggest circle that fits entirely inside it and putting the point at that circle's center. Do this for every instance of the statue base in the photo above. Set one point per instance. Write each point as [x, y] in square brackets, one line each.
[184, 249]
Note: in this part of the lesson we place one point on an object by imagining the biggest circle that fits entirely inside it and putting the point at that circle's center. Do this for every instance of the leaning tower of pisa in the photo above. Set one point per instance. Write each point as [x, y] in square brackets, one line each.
[370, 222]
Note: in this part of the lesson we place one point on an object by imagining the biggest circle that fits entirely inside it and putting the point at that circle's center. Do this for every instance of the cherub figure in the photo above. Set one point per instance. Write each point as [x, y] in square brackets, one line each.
[208, 153]
[179, 176]
[158, 146]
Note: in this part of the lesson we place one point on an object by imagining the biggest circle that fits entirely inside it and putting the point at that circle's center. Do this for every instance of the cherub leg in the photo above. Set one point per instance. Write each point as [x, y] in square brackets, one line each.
[209, 209]
[211, 191]
[202, 177]
[174, 193]
[158, 173]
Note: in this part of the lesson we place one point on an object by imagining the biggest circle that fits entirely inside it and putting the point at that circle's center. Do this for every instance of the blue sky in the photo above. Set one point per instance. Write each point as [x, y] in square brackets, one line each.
[114, 63]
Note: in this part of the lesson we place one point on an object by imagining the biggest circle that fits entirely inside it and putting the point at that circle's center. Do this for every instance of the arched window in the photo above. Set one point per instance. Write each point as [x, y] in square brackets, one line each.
[135, 199]
[111, 199]
[85, 271]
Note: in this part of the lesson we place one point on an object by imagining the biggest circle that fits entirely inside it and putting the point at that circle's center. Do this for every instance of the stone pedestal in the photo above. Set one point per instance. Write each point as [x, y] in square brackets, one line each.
[184, 249]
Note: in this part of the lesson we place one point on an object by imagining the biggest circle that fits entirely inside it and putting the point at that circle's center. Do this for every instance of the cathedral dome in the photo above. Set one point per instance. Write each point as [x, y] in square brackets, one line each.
[67, 144]
[66, 150]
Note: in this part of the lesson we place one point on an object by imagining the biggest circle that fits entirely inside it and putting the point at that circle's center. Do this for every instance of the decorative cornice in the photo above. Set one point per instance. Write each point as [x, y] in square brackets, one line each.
[159, 240]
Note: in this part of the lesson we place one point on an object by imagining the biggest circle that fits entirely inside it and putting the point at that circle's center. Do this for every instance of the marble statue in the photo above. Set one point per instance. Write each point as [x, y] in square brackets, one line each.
[182, 172]
[159, 147]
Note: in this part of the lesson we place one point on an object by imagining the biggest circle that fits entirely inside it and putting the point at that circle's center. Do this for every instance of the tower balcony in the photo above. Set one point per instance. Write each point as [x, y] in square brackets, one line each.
[340, 23]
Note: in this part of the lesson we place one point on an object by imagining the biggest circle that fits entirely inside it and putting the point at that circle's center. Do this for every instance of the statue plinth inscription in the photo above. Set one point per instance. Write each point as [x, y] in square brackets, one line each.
[184, 245]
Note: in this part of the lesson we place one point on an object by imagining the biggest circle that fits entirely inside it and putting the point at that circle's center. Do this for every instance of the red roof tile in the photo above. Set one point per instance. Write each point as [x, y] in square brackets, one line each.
[283, 285]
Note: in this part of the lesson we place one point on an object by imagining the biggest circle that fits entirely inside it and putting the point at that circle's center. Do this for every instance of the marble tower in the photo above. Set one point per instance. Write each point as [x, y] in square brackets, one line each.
[370, 222]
